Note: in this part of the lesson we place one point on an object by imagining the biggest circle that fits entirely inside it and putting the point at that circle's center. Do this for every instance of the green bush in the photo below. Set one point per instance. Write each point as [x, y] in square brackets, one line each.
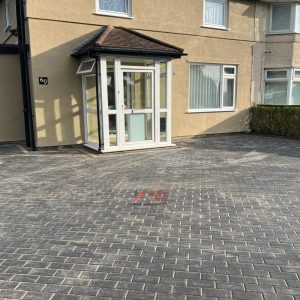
[282, 120]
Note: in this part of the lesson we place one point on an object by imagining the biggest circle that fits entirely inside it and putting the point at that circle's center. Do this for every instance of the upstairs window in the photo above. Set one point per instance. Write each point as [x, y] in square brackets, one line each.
[114, 7]
[215, 13]
[7, 14]
[281, 17]
[285, 18]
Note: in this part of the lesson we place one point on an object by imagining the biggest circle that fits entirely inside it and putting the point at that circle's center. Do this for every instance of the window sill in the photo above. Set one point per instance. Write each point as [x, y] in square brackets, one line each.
[281, 33]
[114, 15]
[215, 27]
[214, 110]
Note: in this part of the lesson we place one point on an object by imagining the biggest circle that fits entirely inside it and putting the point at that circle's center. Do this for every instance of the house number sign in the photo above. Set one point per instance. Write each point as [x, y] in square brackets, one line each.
[43, 80]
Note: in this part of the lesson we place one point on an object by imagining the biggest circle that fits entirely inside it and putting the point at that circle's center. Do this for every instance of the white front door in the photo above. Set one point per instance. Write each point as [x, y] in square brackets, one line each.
[136, 107]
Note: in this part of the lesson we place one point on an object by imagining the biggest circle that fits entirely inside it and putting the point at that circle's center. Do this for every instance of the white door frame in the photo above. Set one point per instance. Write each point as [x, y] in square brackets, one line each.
[125, 111]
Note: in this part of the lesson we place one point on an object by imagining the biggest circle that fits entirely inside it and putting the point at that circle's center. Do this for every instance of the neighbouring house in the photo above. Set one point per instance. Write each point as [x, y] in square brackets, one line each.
[117, 75]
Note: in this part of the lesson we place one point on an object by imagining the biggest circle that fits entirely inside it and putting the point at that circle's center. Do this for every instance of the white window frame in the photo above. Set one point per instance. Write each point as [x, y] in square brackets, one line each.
[289, 79]
[279, 78]
[294, 76]
[228, 76]
[292, 21]
[294, 79]
[222, 79]
[295, 17]
[88, 70]
[7, 14]
[215, 26]
[128, 15]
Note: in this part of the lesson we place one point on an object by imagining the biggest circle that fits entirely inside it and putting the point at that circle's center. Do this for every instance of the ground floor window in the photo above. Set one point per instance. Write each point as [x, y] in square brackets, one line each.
[212, 87]
[282, 87]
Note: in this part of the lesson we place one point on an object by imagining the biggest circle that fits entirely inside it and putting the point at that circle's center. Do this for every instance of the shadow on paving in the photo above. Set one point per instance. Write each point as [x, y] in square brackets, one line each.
[248, 142]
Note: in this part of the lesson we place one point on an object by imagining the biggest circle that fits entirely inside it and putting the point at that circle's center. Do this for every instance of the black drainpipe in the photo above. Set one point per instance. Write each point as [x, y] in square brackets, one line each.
[26, 89]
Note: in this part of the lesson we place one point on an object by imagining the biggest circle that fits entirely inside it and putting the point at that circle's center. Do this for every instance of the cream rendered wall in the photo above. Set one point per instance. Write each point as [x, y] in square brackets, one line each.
[56, 27]
[58, 105]
[11, 112]
[168, 16]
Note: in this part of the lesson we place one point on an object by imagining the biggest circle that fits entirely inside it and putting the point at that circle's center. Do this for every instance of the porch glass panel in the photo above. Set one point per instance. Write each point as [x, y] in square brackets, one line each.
[92, 124]
[91, 94]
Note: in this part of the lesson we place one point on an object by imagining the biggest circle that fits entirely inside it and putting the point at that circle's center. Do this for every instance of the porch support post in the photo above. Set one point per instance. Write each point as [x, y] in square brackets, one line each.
[156, 108]
[98, 102]
[169, 101]
[104, 101]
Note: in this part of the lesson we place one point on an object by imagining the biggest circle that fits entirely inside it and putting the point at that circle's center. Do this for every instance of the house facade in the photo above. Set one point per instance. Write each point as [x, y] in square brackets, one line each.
[128, 74]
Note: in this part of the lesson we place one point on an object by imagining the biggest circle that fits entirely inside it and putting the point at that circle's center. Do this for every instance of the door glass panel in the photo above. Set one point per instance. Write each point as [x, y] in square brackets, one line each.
[111, 91]
[91, 94]
[113, 130]
[137, 90]
[92, 124]
[163, 85]
[163, 127]
[138, 127]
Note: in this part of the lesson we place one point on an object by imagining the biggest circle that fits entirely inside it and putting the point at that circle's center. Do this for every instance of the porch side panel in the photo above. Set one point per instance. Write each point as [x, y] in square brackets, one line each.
[11, 111]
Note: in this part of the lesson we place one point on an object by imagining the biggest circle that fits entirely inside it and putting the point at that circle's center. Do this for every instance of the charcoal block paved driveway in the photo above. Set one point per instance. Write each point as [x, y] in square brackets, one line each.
[70, 227]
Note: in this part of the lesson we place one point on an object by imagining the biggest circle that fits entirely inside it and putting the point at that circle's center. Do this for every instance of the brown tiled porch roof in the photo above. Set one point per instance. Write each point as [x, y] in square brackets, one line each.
[120, 40]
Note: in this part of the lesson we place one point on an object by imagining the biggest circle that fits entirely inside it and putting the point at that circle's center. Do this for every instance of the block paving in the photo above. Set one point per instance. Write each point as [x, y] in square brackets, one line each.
[229, 228]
